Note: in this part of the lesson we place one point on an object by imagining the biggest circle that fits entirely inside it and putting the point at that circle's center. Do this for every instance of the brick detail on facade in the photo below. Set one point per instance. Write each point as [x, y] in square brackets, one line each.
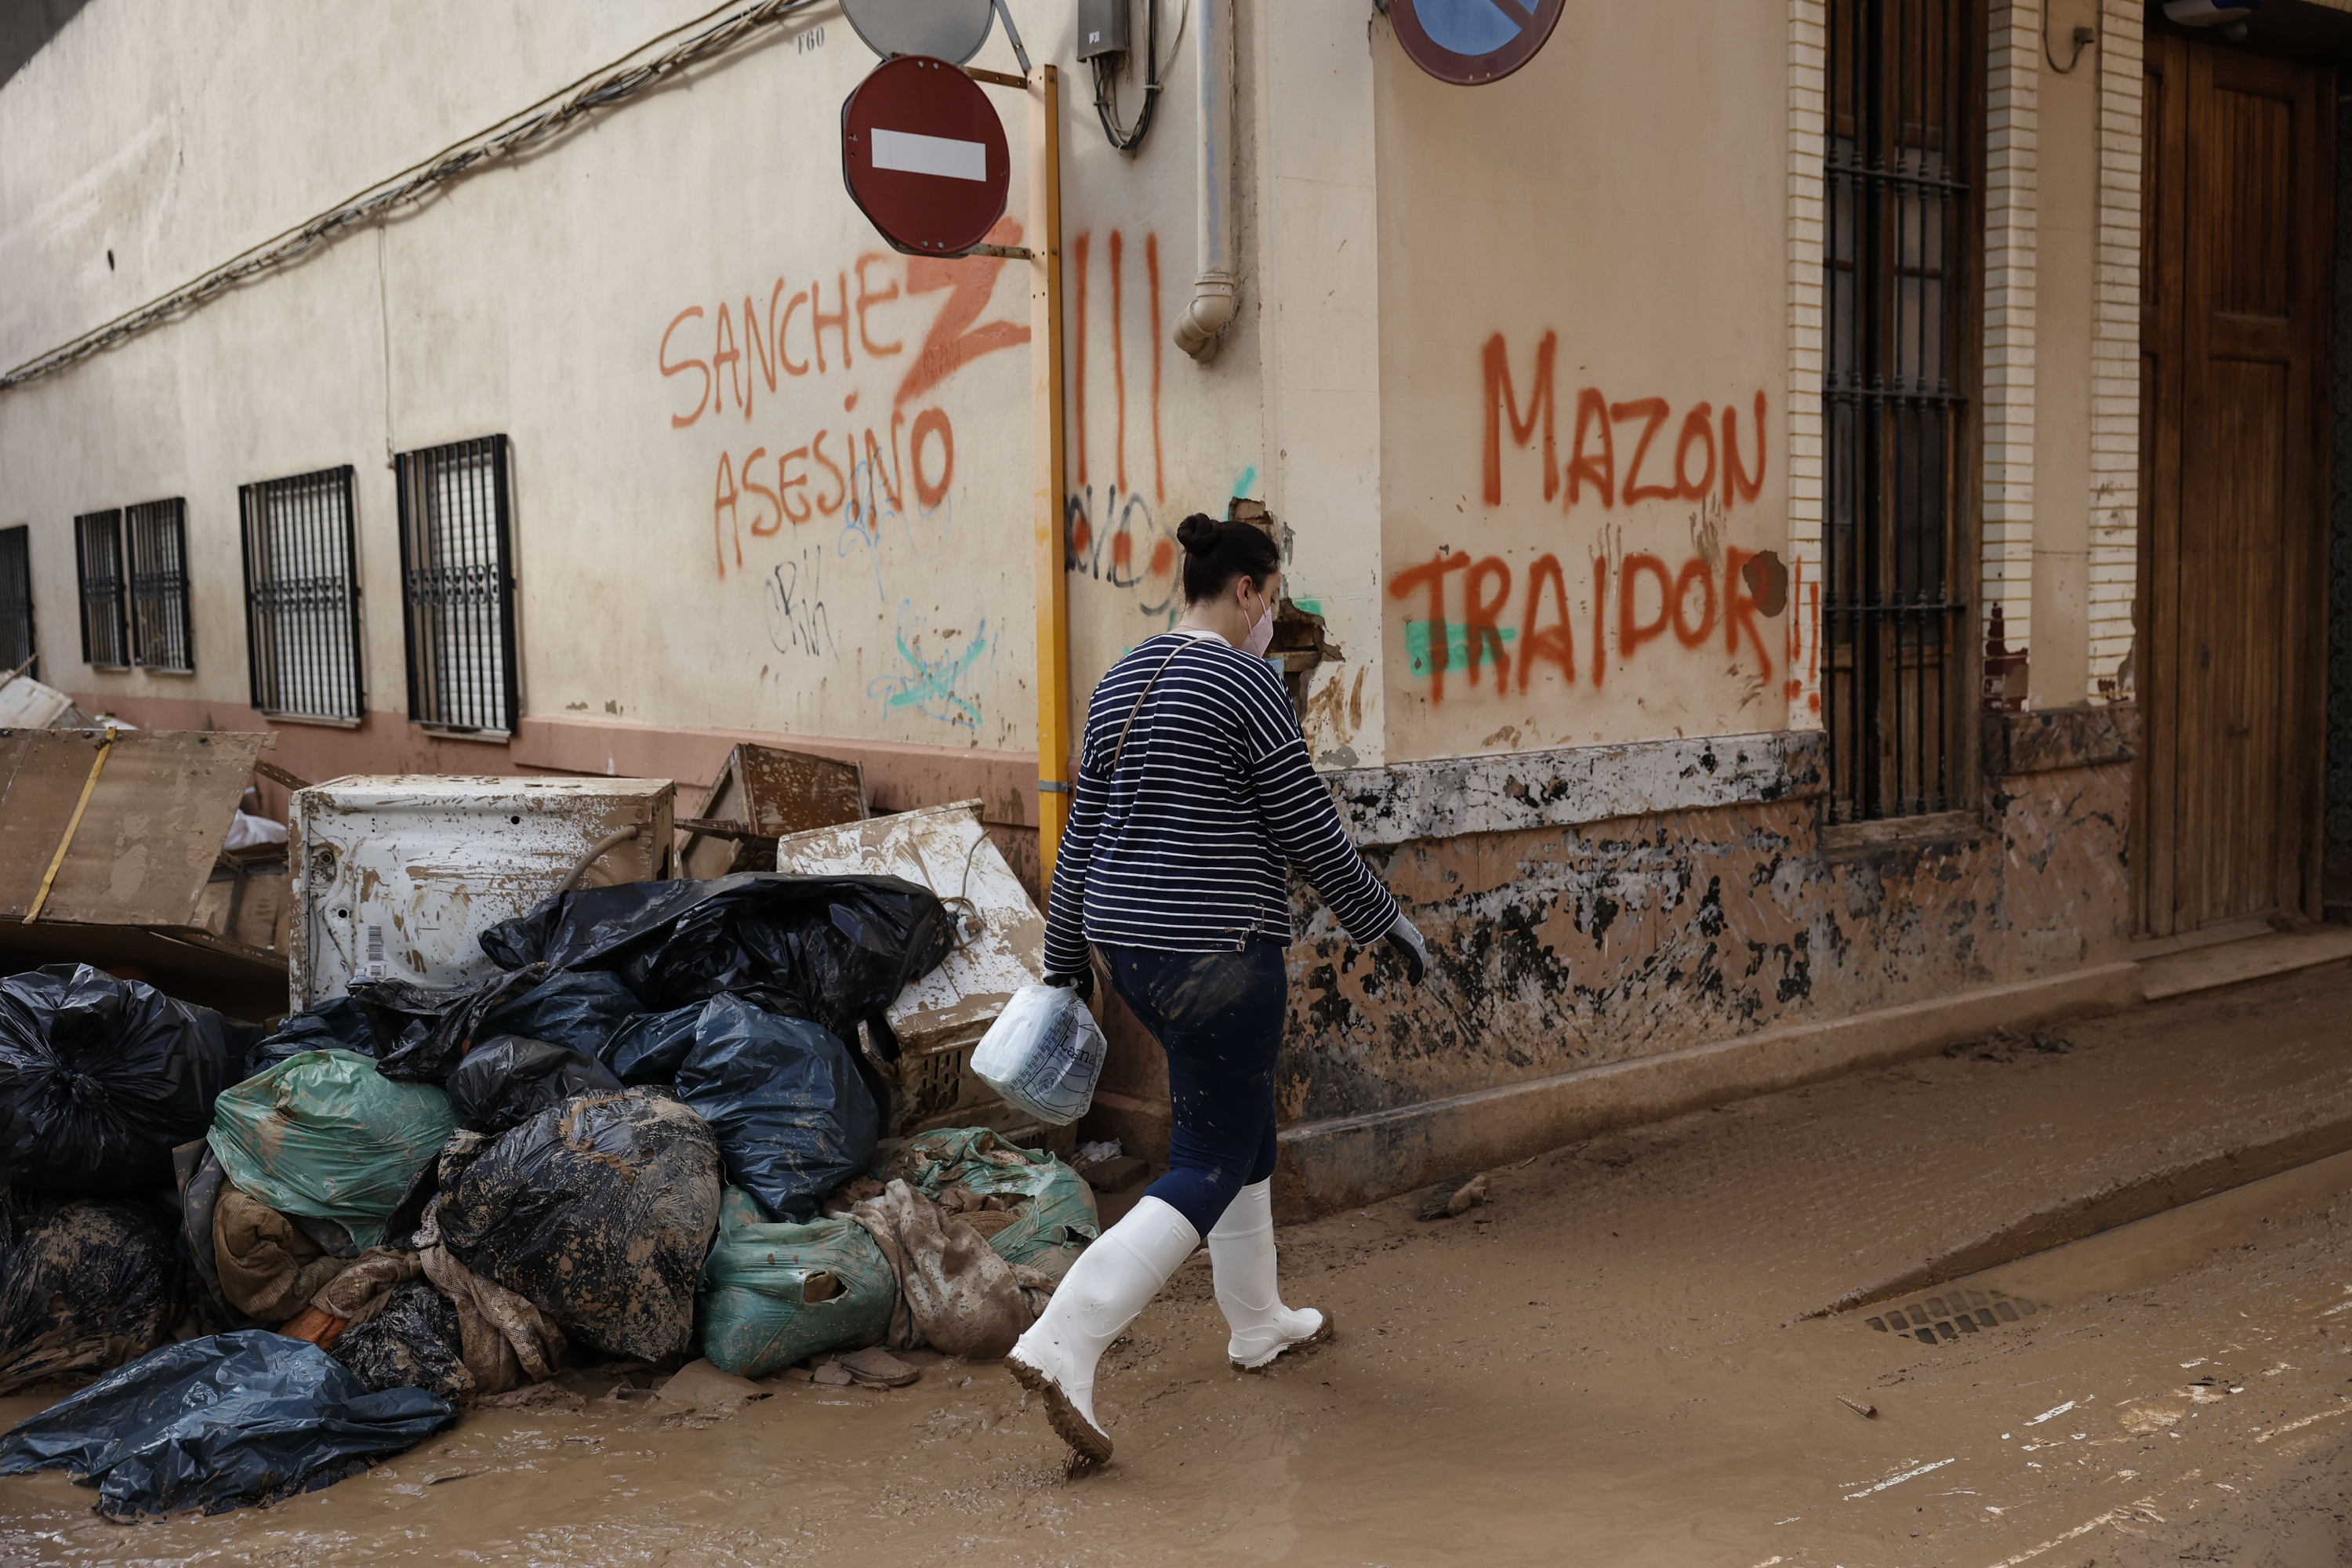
[2115, 351]
[1808, 130]
[2012, 147]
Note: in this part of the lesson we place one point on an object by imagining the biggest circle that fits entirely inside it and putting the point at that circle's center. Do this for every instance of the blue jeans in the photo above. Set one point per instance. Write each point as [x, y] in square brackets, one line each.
[1219, 1016]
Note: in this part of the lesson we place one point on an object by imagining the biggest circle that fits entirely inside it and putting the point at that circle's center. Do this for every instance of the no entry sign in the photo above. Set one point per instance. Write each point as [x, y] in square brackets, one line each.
[924, 156]
[1471, 42]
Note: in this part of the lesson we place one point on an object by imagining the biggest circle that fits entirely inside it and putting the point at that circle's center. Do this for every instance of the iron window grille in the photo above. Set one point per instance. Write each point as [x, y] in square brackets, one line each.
[161, 635]
[457, 571]
[105, 599]
[1896, 285]
[16, 597]
[302, 596]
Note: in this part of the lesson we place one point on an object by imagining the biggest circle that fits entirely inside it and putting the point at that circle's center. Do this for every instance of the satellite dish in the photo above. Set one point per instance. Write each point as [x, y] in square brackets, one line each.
[951, 31]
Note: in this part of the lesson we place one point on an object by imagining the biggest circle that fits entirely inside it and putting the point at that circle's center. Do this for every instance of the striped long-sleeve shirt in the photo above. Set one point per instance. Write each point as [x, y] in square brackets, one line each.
[1184, 848]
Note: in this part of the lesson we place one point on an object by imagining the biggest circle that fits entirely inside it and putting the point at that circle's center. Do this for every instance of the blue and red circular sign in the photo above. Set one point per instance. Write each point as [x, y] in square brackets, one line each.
[924, 156]
[1472, 42]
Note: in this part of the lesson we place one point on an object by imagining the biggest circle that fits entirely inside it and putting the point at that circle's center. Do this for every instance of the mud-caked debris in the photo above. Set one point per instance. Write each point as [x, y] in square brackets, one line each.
[877, 1368]
[1447, 1201]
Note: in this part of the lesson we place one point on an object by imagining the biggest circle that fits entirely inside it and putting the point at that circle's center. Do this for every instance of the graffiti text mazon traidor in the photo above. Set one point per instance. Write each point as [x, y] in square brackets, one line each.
[1480, 614]
[722, 358]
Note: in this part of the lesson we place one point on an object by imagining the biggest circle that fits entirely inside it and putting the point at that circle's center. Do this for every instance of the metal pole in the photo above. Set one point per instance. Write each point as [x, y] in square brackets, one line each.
[1046, 394]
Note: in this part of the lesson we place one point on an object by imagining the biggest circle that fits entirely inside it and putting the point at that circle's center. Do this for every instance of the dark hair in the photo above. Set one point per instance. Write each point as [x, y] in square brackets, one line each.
[1218, 549]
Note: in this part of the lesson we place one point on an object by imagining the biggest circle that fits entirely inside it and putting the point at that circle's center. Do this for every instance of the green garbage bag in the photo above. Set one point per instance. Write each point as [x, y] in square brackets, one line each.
[1059, 1217]
[773, 1294]
[324, 1134]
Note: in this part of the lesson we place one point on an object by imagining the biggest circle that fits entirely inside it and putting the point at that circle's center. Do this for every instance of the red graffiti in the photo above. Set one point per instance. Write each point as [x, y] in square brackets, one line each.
[954, 341]
[1704, 462]
[1653, 598]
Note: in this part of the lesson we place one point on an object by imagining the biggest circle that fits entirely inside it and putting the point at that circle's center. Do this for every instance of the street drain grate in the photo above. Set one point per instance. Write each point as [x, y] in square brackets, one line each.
[1940, 1319]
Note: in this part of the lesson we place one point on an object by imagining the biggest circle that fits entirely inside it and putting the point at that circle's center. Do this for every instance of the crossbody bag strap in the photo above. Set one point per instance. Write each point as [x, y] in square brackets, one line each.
[1120, 746]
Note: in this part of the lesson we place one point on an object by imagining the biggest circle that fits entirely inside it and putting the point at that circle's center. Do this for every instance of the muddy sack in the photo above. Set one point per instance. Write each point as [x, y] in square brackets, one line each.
[506, 1081]
[1054, 1214]
[413, 1342]
[100, 1079]
[218, 1423]
[84, 1286]
[414, 1032]
[792, 1116]
[1044, 1054]
[833, 950]
[776, 1294]
[325, 1134]
[598, 1212]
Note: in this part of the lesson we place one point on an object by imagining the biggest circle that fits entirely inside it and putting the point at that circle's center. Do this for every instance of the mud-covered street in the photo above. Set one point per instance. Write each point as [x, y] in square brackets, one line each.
[1610, 1361]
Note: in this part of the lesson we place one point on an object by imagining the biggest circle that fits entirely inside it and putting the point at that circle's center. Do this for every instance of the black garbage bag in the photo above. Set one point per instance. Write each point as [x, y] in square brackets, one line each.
[413, 1342]
[597, 1211]
[338, 1023]
[783, 1098]
[220, 1422]
[833, 950]
[505, 1082]
[84, 1286]
[651, 1046]
[412, 1032]
[580, 1011]
[101, 1079]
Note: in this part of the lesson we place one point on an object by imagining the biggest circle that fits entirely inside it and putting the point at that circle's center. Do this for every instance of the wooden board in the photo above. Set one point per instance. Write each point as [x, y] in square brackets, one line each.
[144, 848]
[2238, 217]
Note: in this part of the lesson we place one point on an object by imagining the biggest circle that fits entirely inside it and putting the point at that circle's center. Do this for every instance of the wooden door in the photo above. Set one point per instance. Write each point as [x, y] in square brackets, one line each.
[2234, 331]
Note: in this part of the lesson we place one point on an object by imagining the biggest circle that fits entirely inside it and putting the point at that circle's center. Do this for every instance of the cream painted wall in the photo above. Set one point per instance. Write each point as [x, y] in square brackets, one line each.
[2068, 212]
[661, 581]
[1623, 198]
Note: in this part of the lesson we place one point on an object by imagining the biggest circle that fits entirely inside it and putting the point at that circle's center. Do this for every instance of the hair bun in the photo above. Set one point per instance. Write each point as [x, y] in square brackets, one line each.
[1198, 533]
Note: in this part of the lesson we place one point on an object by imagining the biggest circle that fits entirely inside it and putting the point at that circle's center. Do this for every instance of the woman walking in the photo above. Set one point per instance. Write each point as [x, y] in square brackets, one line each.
[1195, 796]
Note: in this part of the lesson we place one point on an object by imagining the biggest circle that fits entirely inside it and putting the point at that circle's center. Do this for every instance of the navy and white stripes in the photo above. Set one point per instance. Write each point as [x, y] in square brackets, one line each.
[1184, 851]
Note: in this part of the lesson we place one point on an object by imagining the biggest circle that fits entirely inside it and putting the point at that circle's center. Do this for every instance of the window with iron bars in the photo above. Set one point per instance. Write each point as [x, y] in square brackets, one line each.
[1898, 290]
[105, 600]
[161, 636]
[16, 597]
[302, 596]
[456, 570]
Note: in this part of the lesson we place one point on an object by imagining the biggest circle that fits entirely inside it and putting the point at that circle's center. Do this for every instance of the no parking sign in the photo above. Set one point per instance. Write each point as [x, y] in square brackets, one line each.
[1472, 42]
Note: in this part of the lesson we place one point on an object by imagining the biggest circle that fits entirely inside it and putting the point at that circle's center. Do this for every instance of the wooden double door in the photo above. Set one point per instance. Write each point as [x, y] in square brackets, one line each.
[2232, 620]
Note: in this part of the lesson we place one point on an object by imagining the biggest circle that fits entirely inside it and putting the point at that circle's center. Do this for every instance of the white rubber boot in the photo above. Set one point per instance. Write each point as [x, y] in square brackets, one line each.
[1240, 1250]
[1112, 1281]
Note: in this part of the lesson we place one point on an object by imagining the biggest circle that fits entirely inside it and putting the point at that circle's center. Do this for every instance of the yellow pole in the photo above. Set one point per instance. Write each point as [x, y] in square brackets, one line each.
[1045, 239]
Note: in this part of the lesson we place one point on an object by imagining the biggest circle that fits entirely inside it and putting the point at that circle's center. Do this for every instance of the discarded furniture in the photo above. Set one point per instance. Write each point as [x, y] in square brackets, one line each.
[940, 1017]
[396, 876]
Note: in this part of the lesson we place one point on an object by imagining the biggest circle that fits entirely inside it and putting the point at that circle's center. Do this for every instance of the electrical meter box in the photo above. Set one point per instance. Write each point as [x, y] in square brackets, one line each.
[396, 877]
[1102, 27]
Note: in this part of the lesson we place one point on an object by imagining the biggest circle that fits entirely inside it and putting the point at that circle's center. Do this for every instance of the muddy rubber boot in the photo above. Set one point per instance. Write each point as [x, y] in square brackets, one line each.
[1112, 1281]
[1241, 1252]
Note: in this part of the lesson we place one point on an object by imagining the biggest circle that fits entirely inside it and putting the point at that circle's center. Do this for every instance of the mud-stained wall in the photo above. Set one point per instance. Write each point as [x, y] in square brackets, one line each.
[1559, 948]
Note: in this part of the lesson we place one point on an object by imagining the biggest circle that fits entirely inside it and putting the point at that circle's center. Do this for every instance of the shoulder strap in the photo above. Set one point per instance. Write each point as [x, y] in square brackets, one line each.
[1120, 746]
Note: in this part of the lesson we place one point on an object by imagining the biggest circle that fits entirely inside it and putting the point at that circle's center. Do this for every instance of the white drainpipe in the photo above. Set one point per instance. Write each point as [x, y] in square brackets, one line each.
[1212, 307]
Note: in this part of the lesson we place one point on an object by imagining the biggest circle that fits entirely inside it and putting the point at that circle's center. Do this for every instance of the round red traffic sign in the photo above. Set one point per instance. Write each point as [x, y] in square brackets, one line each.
[924, 156]
[1472, 42]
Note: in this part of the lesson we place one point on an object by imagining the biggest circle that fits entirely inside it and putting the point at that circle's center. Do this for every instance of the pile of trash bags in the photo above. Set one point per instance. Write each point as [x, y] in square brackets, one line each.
[652, 1132]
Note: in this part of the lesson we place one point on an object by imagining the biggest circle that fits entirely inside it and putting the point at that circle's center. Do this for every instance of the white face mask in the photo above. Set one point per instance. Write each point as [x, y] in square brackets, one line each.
[1261, 636]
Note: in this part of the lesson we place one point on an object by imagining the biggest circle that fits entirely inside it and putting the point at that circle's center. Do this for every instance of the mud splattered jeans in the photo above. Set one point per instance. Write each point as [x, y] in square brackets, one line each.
[1219, 1018]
